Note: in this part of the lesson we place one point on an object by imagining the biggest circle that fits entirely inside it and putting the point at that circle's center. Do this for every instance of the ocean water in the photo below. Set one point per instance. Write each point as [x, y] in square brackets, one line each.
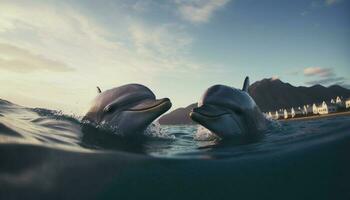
[45, 154]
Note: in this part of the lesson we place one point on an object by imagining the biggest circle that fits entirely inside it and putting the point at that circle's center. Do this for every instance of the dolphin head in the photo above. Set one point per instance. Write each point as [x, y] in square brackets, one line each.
[130, 108]
[228, 112]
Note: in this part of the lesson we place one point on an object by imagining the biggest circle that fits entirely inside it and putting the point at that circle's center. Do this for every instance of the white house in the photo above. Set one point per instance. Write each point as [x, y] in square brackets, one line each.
[299, 112]
[277, 115]
[285, 113]
[292, 112]
[347, 103]
[314, 109]
[332, 101]
[269, 114]
[325, 109]
[305, 111]
[338, 100]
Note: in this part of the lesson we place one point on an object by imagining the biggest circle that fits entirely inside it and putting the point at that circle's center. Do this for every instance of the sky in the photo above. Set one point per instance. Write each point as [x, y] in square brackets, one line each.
[53, 54]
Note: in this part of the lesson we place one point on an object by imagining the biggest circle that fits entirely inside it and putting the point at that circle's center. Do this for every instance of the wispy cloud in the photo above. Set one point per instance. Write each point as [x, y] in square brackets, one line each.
[318, 71]
[165, 39]
[21, 60]
[332, 2]
[79, 40]
[164, 45]
[199, 11]
[53, 37]
[274, 77]
[324, 3]
[57, 32]
[141, 5]
[323, 76]
[327, 81]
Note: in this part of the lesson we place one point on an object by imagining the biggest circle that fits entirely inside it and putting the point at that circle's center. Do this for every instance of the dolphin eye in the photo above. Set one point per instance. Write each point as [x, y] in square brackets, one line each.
[110, 108]
[237, 111]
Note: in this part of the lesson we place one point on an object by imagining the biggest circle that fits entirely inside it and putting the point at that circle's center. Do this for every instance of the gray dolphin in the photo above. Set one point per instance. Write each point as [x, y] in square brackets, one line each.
[130, 108]
[229, 112]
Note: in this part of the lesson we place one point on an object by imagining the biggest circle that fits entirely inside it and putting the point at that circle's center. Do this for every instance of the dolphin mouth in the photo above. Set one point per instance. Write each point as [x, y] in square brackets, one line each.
[149, 105]
[208, 111]
[202, 115]
[199, 116]
[221, 122]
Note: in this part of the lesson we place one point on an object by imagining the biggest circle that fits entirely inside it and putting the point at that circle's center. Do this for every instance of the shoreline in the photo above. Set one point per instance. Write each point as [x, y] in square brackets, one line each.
[317, 116]
[312, 117]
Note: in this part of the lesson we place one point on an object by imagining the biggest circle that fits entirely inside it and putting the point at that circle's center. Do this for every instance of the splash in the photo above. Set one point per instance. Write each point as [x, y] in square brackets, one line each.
[155, 130]
[203, 134]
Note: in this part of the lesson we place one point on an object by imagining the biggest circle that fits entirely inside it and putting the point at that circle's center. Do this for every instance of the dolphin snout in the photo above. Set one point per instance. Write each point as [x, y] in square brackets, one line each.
[194, 110]
[151, 104]
[209, 111]
[166, 103]
[165, 100]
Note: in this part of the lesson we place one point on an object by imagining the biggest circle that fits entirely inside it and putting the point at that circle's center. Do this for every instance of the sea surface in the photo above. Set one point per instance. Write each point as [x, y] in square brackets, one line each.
[45, 154]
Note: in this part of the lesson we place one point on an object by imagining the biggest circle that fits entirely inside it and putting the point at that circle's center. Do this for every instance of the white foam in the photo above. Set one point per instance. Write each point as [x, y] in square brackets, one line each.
[203, 134]
[155, 130]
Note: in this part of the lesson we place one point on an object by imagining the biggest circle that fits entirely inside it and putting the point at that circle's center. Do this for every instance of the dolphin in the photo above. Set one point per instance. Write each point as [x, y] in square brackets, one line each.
[129, 108]
[229, 113]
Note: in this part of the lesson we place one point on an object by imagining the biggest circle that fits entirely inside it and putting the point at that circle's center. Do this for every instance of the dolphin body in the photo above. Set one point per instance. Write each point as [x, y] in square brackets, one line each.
[229, 112]
[129, 108]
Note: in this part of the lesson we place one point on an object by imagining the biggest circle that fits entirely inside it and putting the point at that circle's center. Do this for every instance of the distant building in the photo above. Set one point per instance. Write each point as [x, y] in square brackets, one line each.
[347, 103]
[285, 113]
[314, 109]
[292, 112]
[325, 109]
[332, 101]
[340, 103]
[307, 110]
[277, 116]
[299, 112]
[269, 114]
[338, 100]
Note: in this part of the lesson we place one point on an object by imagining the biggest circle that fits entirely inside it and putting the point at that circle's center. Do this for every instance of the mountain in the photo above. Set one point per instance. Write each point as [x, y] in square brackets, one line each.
[178, 116]
[273, 94]
[270, 95]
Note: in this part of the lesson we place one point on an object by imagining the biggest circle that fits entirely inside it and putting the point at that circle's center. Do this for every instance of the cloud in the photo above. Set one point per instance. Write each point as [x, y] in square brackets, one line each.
[162, 48]
[54, 32]
[327, 81]
[324, 3]
[102, 49]
[141, 6]
[324, 76]
[199, 11]
[274, 77]
[78, 39]
[17, 59]
[166, 40]
[331, 2]
[318, 71]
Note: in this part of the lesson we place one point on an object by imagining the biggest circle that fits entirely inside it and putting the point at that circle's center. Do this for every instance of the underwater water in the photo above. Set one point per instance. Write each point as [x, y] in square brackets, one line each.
[47, 155]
